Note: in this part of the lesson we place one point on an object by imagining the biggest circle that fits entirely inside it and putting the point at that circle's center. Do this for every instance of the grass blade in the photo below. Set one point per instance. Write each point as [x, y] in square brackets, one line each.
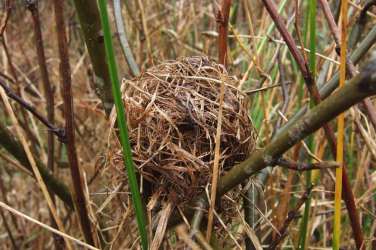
[340, 130]
[122, 124]
[312, 67]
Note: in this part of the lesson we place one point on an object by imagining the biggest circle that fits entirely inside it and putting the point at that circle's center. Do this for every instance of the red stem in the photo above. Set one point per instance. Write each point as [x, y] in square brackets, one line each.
[222, 19]
[66, 82]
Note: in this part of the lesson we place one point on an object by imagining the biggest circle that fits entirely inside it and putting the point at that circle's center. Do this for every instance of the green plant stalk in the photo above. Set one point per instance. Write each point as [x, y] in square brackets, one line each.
[122, 124]
[312, 6]
[87, 12]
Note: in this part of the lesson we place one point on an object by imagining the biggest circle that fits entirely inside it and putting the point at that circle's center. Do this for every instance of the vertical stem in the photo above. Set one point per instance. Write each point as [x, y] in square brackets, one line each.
[88, 15]
[312, 67]
[49, 95]
[340, 130]
[48, 90]
[65, 77]
[222, 19]
[217, 156]
[122, 125]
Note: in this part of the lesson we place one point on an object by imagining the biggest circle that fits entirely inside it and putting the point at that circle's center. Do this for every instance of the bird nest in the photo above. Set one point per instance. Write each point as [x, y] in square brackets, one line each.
[172, 111]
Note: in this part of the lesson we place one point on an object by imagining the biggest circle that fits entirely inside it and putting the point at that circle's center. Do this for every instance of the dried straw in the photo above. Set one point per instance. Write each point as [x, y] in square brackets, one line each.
[172, 112]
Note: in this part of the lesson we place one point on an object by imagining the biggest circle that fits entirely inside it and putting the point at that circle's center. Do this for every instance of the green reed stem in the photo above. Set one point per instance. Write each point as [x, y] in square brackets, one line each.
[122, 124]
[312, 6]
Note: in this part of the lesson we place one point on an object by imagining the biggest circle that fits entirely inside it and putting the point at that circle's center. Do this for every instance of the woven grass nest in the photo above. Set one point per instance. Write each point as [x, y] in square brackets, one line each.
[172, 111]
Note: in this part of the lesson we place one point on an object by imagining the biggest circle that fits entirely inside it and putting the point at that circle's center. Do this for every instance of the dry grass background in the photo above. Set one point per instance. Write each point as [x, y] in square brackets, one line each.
[165, 30]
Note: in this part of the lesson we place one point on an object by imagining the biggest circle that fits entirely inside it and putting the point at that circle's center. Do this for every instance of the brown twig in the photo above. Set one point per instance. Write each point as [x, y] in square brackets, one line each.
[59, 132]
[290, 216]
[301, 166]
[5, 18]
[222, 19]
[48, 90]
[65, 77]
[49, 95]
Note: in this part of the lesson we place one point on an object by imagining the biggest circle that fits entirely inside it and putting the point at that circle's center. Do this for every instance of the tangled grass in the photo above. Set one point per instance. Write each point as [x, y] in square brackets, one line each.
[172, 114]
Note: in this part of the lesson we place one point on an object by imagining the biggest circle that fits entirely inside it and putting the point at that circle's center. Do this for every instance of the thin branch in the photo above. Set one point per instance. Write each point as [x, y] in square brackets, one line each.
[49, 96]
[59, 132]
[9, 231]
[301, 166]
[48, 90]
[12, 217]
[285, 91]
[222, 19]
[66, 82]
[217, 156]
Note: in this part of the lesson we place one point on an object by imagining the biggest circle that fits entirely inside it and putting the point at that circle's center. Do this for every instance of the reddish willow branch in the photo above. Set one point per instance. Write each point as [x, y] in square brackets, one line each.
[49, 95]
[222, 19]
[66, 82]
[347, 193]
[48, 91]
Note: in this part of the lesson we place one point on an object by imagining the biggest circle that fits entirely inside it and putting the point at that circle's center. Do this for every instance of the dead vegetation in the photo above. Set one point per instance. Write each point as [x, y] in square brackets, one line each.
[172, 110]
